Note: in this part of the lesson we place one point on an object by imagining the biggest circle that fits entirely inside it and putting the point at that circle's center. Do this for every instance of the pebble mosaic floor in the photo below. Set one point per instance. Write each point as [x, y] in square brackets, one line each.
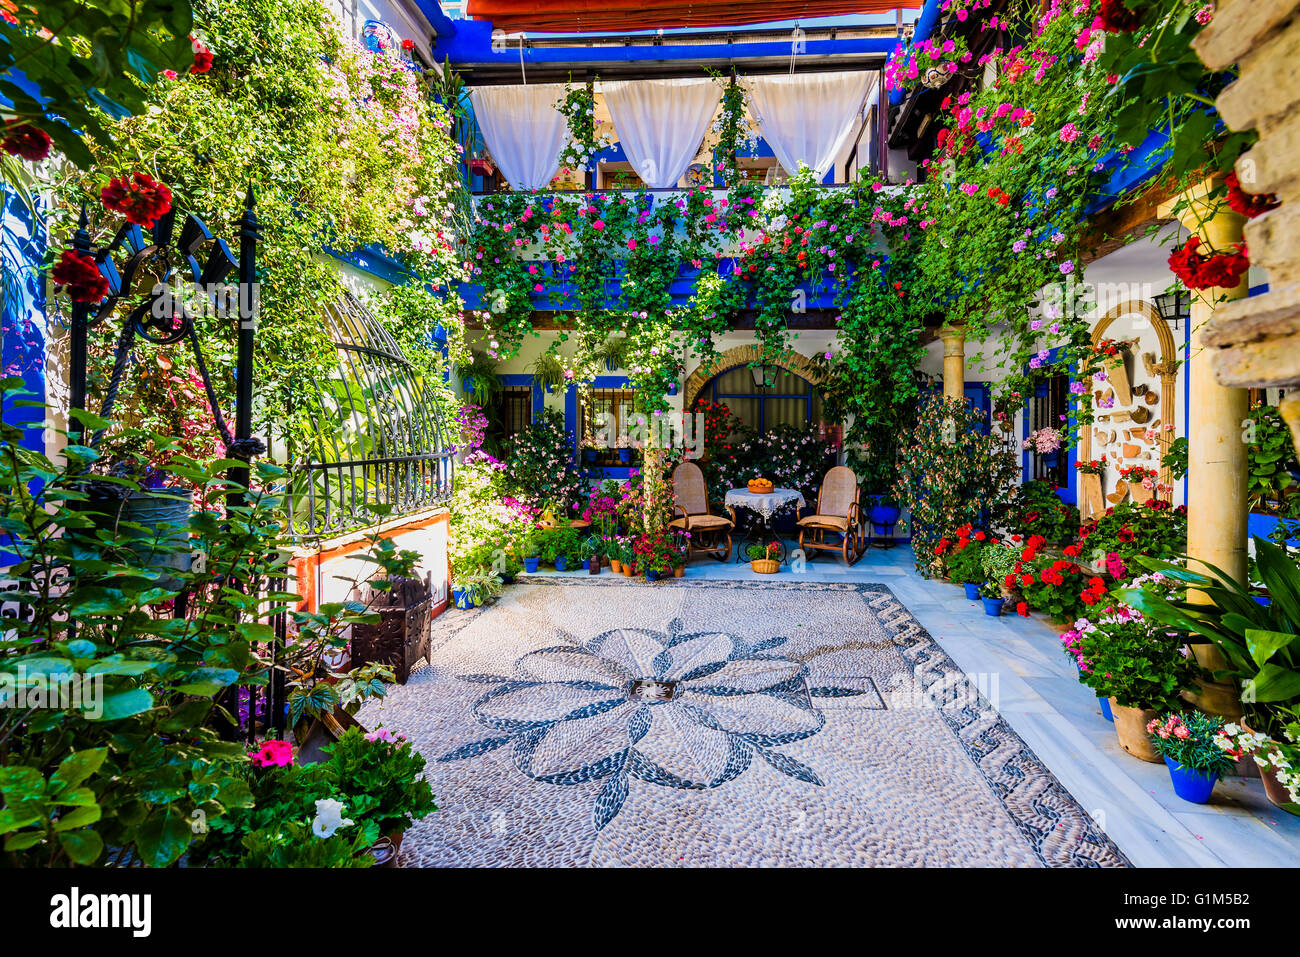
[718, 723]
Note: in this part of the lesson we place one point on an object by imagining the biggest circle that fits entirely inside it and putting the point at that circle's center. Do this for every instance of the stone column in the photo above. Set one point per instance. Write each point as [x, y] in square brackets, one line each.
[1216, 453]
[954, 361]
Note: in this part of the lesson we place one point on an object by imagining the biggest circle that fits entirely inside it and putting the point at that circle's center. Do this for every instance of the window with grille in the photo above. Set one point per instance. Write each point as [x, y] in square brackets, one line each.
[1050, 408]
[607, 414]
[514, 409]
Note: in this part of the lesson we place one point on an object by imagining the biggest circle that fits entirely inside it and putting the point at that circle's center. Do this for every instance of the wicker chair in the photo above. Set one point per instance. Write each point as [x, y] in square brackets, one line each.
[839, 513]
[710, 534]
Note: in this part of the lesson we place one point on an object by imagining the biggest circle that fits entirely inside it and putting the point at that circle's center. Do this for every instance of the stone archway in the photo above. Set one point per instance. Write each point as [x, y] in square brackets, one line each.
[794, 362]
[1166, 368]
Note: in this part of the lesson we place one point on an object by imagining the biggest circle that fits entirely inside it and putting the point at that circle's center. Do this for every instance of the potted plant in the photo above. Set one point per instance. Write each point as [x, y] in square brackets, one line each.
[1278, 762]
[991, 598]
[762, 558]
[531, 549]
[387, 776]
[1140, 665]
[1046, 442]
[655, 553]
[884, 513]
[1188, 741]
[963, 558]
[1259, 644]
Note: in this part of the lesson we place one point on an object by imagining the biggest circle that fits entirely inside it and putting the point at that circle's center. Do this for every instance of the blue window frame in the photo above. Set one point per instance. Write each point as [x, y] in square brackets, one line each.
[791, 400]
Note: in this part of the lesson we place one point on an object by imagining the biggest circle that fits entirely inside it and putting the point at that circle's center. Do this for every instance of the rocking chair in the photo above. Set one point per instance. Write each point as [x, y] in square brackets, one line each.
[710, 534]
[839, 513]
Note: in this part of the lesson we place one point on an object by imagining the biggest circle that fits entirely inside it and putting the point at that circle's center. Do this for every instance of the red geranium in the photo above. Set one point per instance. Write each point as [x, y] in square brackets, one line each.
[77, 273]
[1117, 18]
[1022, 609]
[1202, 272]
[29, 142]
[202, 56]
[141, 199]
[1249, 205]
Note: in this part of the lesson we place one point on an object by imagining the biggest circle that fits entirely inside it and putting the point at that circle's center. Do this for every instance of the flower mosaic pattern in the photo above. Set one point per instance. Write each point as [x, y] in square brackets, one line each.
[678, 709]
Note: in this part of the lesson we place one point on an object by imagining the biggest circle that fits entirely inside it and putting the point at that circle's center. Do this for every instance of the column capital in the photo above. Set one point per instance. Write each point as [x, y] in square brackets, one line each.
[1210, 219]
[954, 340]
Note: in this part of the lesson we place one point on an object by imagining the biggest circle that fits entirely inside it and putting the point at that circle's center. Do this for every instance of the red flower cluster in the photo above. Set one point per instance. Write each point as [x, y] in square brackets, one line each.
[1095, 591]
[1032, 547]
[1022, 609]
[202, 56]
[997, 194]
[27, 141]
[1249, 205]
[1202, 272]
[77, 273]
[1117, 18]
[142, 199]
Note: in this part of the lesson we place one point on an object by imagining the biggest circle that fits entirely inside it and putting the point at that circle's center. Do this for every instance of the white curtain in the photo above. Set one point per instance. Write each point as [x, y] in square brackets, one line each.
[661, 123]
[523, 129]
[807, 117]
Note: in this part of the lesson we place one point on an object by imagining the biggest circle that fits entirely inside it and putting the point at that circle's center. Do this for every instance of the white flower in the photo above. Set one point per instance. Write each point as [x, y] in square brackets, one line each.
[329, 818]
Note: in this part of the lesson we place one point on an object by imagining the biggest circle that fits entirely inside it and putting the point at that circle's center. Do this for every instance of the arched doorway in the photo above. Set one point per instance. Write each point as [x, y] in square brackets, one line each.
[788, 400]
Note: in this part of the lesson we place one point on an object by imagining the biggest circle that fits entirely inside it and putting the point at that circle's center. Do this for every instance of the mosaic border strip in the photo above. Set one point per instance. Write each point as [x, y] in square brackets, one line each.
[1056, 826]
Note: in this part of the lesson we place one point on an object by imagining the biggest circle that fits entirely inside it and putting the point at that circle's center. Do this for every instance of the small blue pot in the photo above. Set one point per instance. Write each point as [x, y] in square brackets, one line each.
[972, 592]
[651, 575]
[992, 606]
[460, 598]
[884, 514]
[625, 455]
[1051, 460]
[586, 564]
[1104, 703]
[1190, 785]
[561, 563]
[507, 579]
[530, 564]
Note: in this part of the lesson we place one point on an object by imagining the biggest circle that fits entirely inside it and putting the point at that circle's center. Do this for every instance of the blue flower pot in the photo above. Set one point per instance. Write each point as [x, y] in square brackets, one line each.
[1104, 702]
[561, 563]
[460, 598]
[972, 592]
[651, 575]
[1190, 785]
[586, 564]
[507, 579]
[1051, 460]
[625, 455]
[992, 606]
[530, 565]
[884, 514]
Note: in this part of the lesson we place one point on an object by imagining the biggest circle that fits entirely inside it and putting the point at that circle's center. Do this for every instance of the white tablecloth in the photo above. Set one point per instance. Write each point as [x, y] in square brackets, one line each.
[766, 504]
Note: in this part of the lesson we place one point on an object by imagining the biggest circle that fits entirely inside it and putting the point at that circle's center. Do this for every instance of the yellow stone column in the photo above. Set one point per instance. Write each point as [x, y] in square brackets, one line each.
[954, 361]
[1216, 449]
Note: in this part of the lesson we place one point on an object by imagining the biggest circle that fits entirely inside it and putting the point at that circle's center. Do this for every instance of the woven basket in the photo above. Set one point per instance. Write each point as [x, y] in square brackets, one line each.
[765, 566]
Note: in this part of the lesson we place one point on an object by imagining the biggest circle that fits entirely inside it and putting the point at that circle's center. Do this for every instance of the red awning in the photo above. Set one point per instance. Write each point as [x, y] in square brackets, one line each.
[595, 16]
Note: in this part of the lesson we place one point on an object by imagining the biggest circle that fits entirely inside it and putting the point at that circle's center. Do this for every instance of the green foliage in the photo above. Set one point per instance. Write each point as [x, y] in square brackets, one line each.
[342, 149]
[89, 57]
[1136, 661]
[1035, 509]
[539, 470]
[1271, 486]
[1261, 643]
[1134, 531]
[113, 736]
[383, 776]
[950, 474]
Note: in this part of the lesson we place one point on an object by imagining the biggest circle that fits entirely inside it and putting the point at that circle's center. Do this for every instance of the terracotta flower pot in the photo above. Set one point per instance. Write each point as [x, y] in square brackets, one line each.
[1131, 727]
[1274, 789]
[616, 566]
[679, 571]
